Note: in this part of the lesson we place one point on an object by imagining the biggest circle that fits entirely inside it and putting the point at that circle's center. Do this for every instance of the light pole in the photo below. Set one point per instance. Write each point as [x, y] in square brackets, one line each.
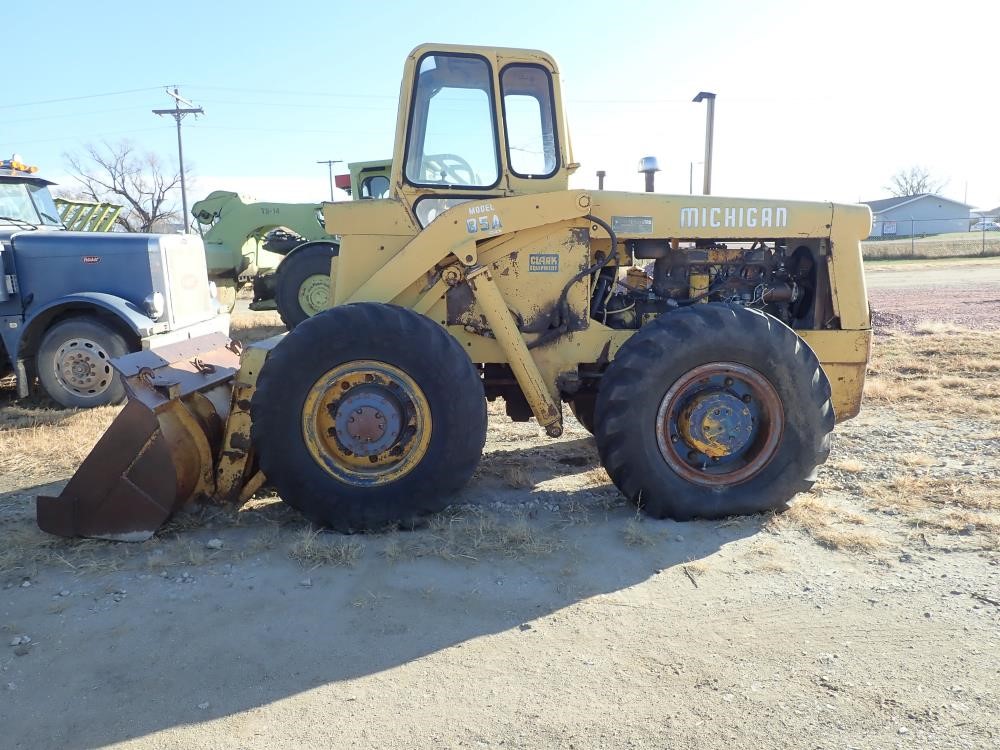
[691, 176]
[709, 97]
[329, 163]
[178, 114]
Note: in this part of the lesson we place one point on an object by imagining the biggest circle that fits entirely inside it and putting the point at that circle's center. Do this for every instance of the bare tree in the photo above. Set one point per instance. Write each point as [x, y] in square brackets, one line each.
[121, 174]
[914, 181]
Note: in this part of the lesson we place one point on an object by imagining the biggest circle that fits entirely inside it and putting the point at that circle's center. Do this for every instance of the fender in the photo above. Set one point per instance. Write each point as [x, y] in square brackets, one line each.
[126, 312]
[310, 243]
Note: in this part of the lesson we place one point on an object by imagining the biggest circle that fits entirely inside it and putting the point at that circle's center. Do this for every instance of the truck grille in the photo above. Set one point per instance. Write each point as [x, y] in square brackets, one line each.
[186, 277]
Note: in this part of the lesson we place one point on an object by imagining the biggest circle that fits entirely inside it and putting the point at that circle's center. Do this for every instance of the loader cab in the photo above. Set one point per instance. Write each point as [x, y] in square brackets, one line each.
[478, 122]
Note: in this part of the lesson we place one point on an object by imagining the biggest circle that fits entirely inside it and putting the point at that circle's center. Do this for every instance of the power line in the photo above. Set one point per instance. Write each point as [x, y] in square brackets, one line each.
[291, 92]
[63, 115]
[78, 98]
[91, 135]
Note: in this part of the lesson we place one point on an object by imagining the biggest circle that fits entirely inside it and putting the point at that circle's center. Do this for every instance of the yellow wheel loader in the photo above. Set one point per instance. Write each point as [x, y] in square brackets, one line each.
[709, 343]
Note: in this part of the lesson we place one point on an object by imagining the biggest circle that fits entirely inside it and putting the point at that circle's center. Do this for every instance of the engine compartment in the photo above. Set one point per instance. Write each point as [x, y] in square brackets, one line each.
[785, 278]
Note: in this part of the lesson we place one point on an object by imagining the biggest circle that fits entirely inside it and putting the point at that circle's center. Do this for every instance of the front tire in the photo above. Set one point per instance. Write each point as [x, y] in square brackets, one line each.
[302, 283]
[74, 363]
[713, 411]
[367, 415]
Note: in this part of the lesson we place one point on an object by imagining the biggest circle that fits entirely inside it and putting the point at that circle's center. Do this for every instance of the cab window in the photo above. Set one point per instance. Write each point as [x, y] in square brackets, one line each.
[376, 186]
[529, 119]
[452, 137]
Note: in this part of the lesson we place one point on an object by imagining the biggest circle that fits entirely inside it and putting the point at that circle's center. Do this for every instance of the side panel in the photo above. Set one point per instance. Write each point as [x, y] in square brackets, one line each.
[844, 356]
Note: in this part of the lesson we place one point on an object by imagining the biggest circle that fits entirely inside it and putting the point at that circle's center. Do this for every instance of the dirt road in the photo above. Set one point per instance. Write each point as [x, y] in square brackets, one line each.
[961, 292]
[943, 272]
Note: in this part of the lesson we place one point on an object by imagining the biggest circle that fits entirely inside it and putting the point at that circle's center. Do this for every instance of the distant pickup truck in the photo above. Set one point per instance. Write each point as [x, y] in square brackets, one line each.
[72, 301]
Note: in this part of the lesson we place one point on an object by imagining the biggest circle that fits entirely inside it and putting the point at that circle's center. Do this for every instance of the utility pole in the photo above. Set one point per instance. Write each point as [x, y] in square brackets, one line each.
[178, 113]
[329, 163]
[601, 174]
[709, 97]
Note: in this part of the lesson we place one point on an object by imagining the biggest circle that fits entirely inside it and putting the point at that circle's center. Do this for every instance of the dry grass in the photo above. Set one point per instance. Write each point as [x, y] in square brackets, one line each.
[40, 444]
[249, 327]
[956, 506]
[916, 459]
[474, 535]
[517, 477]
[635, 534]
[849, 465]
[954, 245]
[831, 526]
[596, 477]
[26, 549]
[943, 371]
[918, 493]
[314, 549]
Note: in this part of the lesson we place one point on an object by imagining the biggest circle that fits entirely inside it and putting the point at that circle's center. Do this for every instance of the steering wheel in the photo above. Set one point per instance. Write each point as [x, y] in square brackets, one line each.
[449, 169]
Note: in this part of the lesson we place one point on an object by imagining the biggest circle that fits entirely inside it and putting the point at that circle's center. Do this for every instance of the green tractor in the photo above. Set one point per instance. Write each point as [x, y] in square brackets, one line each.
[282, 249]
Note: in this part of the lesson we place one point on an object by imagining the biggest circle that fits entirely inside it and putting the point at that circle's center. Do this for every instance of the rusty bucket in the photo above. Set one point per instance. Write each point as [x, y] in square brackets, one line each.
[159, 453]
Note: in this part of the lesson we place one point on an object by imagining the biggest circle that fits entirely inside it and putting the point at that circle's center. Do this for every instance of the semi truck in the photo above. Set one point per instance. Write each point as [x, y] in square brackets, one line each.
[72, 301]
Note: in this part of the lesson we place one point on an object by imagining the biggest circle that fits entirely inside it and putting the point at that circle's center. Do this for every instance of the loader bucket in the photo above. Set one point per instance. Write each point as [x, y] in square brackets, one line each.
[159, 453]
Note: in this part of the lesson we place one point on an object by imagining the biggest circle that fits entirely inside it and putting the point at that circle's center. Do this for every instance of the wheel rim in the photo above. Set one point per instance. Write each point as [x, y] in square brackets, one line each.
[366, 423]
[720, 424]
[314, 294]
[83, 367]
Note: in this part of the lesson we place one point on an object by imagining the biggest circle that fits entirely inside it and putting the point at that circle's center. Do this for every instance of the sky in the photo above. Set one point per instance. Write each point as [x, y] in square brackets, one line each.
[815, 100]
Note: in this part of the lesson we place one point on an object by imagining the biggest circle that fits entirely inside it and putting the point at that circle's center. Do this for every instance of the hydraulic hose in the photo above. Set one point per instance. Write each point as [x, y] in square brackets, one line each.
[562, 306]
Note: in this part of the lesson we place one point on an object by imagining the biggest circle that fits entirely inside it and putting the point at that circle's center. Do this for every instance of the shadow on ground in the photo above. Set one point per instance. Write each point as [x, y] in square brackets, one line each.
[134, 652]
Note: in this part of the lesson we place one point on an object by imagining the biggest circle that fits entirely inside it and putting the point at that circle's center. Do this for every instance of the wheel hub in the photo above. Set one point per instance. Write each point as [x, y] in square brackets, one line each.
[368, 422]
[314, 294]
[83, 367]
[717, 423]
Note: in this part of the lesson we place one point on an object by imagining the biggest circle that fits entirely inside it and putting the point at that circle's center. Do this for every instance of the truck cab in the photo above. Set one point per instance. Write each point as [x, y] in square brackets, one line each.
[72, 301]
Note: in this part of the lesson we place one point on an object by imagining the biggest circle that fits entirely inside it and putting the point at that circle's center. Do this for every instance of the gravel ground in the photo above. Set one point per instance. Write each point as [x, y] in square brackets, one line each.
[544, 613]
[975, 306]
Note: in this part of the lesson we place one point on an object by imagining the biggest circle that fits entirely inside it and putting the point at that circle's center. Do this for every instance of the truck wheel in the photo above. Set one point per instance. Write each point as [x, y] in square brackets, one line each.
[582, 406]
[74, 365]
[367, 415]
[713, 411]
[302, 285]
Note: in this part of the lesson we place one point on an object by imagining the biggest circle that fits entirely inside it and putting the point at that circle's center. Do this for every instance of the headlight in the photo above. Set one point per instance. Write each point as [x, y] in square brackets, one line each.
[154, 305]
[213, 290]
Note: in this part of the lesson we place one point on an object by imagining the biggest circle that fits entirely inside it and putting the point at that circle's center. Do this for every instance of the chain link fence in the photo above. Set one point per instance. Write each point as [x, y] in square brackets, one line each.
[939, 237]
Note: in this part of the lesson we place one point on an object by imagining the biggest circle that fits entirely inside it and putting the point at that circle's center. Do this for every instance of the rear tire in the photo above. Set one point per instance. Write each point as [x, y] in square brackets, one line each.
[368, 415]
[659, 430]
[302, 282]
[74, 365]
